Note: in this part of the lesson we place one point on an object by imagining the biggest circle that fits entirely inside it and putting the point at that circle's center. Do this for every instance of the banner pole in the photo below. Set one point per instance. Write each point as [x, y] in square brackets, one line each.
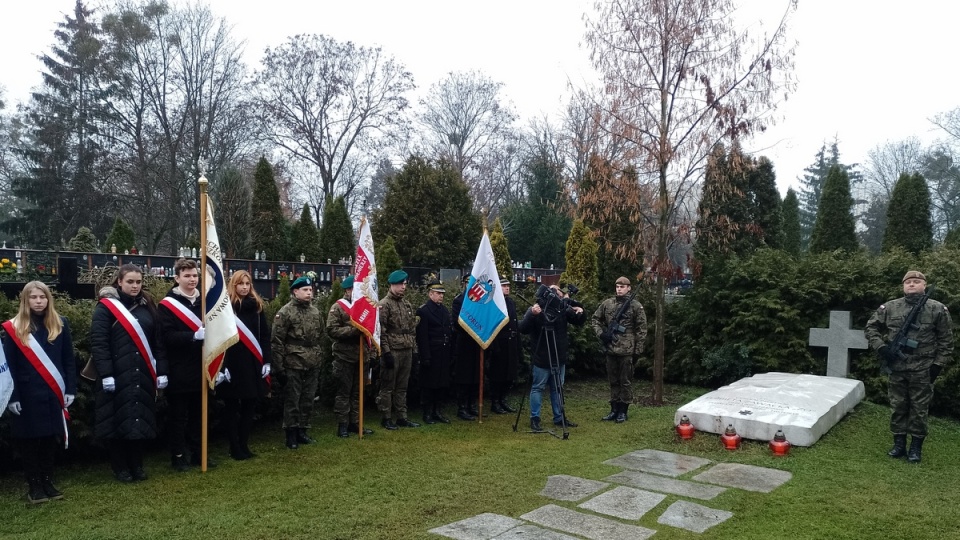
[203, 312]
[360, 390]
[480, 399]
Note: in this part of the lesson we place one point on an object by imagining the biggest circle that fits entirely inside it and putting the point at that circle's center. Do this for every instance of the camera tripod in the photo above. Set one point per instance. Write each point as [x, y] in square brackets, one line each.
[548, 335]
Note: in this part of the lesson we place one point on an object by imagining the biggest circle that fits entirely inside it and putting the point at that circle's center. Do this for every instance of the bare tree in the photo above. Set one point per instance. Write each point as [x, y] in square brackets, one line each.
[886, 162]
[332, 104]
[679, 77]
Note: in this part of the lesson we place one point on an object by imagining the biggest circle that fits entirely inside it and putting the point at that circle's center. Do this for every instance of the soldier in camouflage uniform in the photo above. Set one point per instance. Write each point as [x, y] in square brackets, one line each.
[910, 387]
[398, 324]
[623, 349]
[346, 353]
[296, 356]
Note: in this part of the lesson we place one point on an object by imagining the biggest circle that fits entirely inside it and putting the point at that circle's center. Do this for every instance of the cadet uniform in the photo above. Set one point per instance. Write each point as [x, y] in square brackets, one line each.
[397, 326]
[910, 386]
[346, 353]
[434, 341]
[626, 347]
[297, 328]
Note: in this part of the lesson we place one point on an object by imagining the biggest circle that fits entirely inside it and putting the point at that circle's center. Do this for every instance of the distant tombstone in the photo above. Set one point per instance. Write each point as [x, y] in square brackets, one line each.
[839, 338]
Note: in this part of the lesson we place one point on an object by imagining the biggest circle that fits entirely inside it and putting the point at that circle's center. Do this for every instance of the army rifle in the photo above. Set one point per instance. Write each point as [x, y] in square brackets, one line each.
[614, 329]
[900, 341]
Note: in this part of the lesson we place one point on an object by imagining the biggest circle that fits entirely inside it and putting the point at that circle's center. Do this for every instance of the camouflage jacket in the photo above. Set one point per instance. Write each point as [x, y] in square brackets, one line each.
[398, 324]
[632, 340]
[297, 328]
[344, 335]
[934, 337]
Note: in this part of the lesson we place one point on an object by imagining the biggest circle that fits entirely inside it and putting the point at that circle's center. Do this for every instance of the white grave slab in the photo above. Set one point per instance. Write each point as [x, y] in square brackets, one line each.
[804, 406]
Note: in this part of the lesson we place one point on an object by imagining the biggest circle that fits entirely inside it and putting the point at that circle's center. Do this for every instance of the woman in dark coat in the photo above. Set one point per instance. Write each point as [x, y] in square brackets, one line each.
[127, 381]
[248, 364]
[39, 407]
[434, 335]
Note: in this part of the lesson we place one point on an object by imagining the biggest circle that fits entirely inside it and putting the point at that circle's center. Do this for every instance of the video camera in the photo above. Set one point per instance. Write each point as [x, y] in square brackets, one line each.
[552, 304]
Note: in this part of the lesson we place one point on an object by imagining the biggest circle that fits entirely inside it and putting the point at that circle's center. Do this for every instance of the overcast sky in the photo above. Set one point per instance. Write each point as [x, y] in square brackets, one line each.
[867, 72]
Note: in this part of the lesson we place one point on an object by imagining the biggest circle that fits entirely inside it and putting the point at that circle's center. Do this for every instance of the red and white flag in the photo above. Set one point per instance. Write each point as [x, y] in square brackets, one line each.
[219, 321]
[364, 313]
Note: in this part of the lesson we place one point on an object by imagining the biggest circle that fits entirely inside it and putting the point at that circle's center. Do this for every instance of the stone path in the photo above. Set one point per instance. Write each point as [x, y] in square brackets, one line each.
[650, 479]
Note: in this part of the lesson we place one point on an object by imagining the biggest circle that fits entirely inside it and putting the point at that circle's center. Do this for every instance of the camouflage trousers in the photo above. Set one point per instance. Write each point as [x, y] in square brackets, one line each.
[392, 399]
[346, 403]
[298, 397]
[910, 394]
[619, 372]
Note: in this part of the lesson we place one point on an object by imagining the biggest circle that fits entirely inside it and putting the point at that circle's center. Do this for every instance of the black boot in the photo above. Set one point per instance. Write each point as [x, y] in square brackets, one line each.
[899, 446]
[406, 422]
[463, 413]
[621, 412]
[48, 488]
[535, 424]
[612, 415]
[496, 407]
[302, 437]
[916, 447]
[355, 428]
[438, 415]
[506, 408]
[342, 430]
[292, 438]
[35, 494]
[428, 417]
[388, 424]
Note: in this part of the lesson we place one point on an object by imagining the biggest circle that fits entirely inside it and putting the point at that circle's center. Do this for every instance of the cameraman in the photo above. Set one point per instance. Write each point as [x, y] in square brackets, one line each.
[535, 322]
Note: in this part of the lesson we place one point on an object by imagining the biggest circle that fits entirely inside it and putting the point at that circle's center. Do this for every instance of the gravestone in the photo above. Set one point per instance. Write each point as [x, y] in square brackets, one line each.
[839, 338]
[804, 406]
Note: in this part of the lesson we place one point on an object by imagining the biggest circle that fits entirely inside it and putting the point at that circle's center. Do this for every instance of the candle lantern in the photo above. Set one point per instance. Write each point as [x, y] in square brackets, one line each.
[779, 445]
[731, 440]
[685, 429]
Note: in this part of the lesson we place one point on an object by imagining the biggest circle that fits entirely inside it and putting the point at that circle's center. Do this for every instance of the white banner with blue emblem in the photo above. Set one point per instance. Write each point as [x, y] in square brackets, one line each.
[484, 310]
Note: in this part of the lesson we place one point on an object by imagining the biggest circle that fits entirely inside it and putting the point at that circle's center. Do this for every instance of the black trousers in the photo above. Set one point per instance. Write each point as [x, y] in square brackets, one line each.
[37, 455]
[184, 423]
[126, 455]
[238, 417]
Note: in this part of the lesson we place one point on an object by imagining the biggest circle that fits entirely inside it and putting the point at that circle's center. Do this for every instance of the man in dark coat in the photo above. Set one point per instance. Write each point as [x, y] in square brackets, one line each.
[434, 337]
[466, 363]
[504, 354]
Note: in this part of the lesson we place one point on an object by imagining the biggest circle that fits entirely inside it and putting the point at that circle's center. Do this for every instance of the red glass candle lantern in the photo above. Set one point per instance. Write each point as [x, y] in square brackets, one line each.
[685, 429]
[779, 445]
[730, 439]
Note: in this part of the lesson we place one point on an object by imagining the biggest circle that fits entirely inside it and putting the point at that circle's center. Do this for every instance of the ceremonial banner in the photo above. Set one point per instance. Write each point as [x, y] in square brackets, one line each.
[364, 313]
[6, 382]
[219, 320]
[484, 310]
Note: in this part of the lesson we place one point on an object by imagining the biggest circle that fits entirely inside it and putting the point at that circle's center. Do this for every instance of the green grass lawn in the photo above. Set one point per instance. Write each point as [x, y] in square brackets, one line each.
[399, 484]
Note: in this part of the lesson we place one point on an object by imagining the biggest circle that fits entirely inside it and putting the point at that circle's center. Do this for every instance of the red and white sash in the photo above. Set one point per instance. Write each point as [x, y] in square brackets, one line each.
[344, 304]
[48, 371]
[185, 315]
[250, 342]
[133, 328]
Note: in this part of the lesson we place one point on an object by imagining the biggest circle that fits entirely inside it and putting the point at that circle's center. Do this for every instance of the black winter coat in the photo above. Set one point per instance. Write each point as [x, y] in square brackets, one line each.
[245, 370]
[434, 344]
[177, 345]
[504, 353]
[466, 351]
[41, 414]
[130, 411]
[539, 340]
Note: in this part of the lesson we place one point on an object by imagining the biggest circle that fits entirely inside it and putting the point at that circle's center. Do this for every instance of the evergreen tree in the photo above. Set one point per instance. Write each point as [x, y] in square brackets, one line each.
[501, 251]
[835, 228]
[387, 260]
[792, 235]
[812, 186]
[283, 291]
[581, 259]
[304, 237]
[231, 200]
[268, 227]
[337, 239]
[908, 216]
[121, 236]
[428, 211]
[766, 204]
[84, 241]
[723, 211]
[538, 227]
[874, 220]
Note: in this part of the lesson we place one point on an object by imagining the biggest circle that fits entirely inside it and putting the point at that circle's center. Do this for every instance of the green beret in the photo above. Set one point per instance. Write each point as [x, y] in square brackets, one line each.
[347, 283]
[300, 282]
[397, 276]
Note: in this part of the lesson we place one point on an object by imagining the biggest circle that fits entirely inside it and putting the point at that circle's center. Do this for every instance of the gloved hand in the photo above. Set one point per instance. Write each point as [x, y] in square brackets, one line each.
[109, 385]
[162, 382]
[198, 335]
[388, 361]
[885, 353]
[219, 379]
[226, 374]
[68, 400]
[14, 407]
[606, 338]
[265, 371]
[935, 370]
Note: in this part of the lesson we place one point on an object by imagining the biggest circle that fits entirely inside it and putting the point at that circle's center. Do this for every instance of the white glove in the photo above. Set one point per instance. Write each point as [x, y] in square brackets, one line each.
[109, 385]
[161, 382]
[265, 371]
[222, 376]
[198, 335]
[68, 400]
[226, 374]
[14, 407]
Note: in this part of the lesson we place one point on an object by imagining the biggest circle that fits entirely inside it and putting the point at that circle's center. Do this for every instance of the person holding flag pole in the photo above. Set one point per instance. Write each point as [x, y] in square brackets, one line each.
[484, 310]
[347, 350]
[364, 308]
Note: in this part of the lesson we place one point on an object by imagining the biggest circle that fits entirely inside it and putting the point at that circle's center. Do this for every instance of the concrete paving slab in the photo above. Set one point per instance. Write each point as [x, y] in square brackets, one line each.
[692, 516]
[658, 462]
[532, 532]
[480, 527]
[589, 526]
[748, 477]
[571, 488]
[666, 485]
[624, 502]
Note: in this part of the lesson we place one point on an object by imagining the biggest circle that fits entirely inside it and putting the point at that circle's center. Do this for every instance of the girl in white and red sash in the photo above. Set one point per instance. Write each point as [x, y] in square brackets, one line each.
[40, 355]
[248, 362]
[123, 343]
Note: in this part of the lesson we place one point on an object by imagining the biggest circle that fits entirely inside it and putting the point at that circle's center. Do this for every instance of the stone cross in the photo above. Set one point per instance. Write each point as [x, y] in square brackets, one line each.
[839, 338]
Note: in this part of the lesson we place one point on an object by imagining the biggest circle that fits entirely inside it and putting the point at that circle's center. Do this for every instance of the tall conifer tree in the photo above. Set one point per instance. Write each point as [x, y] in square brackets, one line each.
[909, 224]
[791, 223]
[304, 238]
[835, 228]
[337, 238]
[268, 227]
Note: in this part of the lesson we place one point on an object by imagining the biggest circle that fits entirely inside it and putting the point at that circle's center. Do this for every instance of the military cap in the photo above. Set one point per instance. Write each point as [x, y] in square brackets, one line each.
[504, 281]
[913, 274]
[436, 286]
[466, 278]
[347, 283]
[622, 280]
[397, 276]
[300, 282]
